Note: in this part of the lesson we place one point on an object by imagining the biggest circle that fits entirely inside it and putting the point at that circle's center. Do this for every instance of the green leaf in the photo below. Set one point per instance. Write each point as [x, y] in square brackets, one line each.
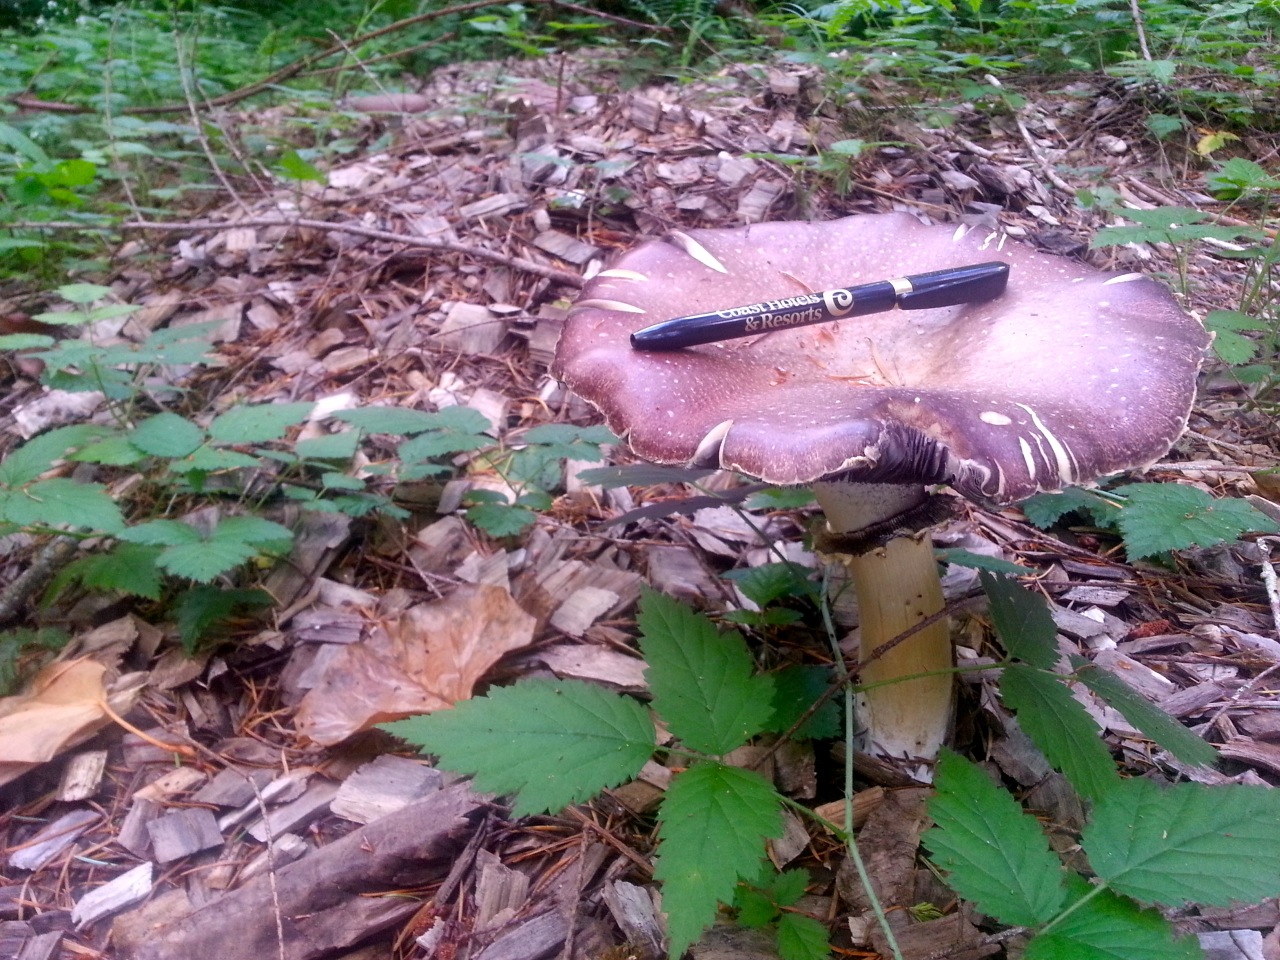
[996, 855]
[250, 529]
[83, 292]
[113, 451]
[712, 826]
[702, 680]
[780, 498]
[552, 743]
[1188, 843]
[441, 443]
[770, 582]
[789, 887]
[21, 144]
[795, 689]
[501, 519]
[202, 608]
[400, 421]
[1146, 716]
[1168, 516]
[166, 435]
[25, 341]
[1060, 727]
[755, 910]
[1108, 927]
[259, 423]
[1162, 125]
[1231, 346]
[210, 459]
[802, 938]
[1045, 509]
[329, 446]
[1022, 621]
[62, 502]
[129, 568]
[978, 561]
[295, 168]
[163, 533]
[39, 455]
[205, 560]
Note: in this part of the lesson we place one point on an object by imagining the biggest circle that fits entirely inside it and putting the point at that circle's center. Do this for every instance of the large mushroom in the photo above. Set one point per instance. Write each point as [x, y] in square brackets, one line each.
[1072, 374]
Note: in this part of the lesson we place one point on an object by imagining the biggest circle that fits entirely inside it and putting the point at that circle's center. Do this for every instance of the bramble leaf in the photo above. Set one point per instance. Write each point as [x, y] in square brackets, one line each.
[165, 533]
[37, 456]
[400, 421]
[795, 689]
[979, 561]
[1060, 727]
[1146, 716]
[770, 582]
[1109, 927]
[712, 824]
[702, 680]
[62, 501]
[202, 608]
[788, 887]
[641, 475]
[1188, 843]
[1022, 621]
[996, 855]
[1168, 516]
[802, 938]
[1045, 509]
[205, 560]
[129, 568]
[551, 743]
[1231, 346]
[501, 519]
[259, 422]
[250, 529]
[166, 435]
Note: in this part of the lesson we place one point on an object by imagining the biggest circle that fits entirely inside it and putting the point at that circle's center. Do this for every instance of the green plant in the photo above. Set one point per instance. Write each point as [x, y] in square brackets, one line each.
[555, 743]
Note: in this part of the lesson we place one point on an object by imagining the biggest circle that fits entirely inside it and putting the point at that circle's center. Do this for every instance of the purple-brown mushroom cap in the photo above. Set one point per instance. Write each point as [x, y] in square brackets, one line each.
[1072, 374]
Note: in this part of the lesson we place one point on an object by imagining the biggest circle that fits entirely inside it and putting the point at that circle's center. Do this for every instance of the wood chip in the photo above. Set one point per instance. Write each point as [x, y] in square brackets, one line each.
[181, 780]
[124, 891]
[565, 247]
[633, 910]
[1137, 675]
[182, 833]
[472, 330]
[534, 939]
[1099, 596]
[953, 937]
[585, 662]
[1232, 945]
[294, 816]
[500, 892]
[495, 205]
[81, 776]
[52, 840]
[383, 786]
[43, 946]
[582, 608]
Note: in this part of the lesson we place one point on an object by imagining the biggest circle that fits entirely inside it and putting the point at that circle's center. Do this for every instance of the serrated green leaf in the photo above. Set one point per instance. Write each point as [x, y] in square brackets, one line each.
[978, 561]
[205, 560]
[1045, 509]
[702, 680]
[202, 608]
[210, 459]
[1108, 927]
[329, 446]
[259, 422]
[1146, 716]
[161, 533]
[1188, 843]
[995, 855]
[641, 475]
[802, 938]
[441, 443]
[1022, 621]
[789, 887]
[770, 582]
[129, 568]
[63, 318]
[166, 435]
[295, 168]
[25, 341]
[1060, 727]
[400, 421]
[795, 689]
[250, 529]
[40, 454]
[1159, 517]
[551, 743]
[712, 826]
[341, 481]
[113, 451]
[62, 502]
[501, 519]
[1229, 343]
[755, 910]
[83, 292]
[577, 440]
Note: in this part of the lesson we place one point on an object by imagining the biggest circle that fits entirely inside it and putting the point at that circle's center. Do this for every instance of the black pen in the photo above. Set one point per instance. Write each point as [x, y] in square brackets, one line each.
[939, 288]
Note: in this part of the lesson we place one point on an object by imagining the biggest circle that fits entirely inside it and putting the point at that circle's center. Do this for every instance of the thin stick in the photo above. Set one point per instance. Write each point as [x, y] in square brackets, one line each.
[1142, 33]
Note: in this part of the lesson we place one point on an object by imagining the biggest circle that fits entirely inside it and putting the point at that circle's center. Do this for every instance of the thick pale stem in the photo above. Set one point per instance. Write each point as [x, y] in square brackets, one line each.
[897, 586]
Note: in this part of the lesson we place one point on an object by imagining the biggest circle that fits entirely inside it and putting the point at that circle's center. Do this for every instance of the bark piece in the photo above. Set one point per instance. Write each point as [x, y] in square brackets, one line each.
[124, 891]
[52, 840]
[536, 938]
[324, 899]
[81, 776]
[296, 814]
[383, 786]
[471, 329]
[232, 787]
[952, 937]
[888, 843]
[182, 833]
[633, 910]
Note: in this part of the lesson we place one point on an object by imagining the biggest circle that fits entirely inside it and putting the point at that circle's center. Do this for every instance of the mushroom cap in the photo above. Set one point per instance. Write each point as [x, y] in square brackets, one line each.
[1072, 374]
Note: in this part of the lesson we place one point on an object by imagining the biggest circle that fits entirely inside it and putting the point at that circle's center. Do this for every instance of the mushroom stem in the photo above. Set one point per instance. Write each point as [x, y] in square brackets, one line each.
[897, 586]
